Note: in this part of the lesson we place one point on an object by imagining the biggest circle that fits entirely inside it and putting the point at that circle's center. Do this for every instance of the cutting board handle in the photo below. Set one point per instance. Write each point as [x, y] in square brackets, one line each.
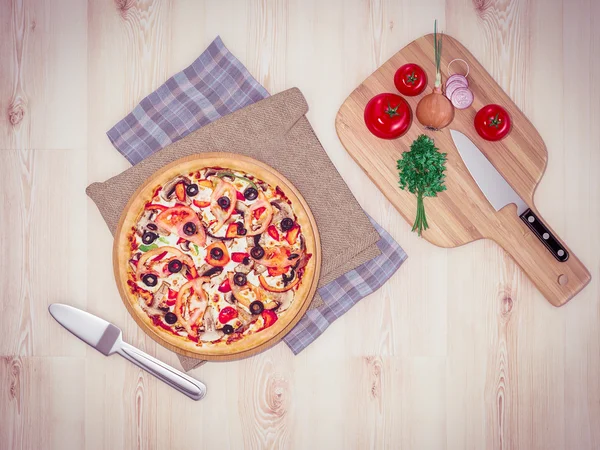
[558, 280]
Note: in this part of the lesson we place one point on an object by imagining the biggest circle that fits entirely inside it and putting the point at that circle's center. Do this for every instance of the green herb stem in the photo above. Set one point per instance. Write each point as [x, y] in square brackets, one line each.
[437, 47]
[421, 219]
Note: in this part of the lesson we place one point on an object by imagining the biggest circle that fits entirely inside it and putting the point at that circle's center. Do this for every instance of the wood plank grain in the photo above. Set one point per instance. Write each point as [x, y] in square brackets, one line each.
[41, 238]
[42, 403]
[580, 185]
[266, 55]
[43, 75]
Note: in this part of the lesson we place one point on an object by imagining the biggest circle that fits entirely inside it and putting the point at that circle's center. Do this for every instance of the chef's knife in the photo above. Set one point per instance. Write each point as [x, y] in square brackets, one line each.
[499, 193]
[106, 338]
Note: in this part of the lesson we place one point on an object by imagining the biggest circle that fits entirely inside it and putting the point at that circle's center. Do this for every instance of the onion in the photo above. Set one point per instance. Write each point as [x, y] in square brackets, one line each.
[450, 88]
[462, 98]
[435, 111]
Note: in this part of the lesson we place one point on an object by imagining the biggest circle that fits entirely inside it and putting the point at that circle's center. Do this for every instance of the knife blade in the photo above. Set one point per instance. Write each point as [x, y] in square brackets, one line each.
[107, 339]
[500, 193]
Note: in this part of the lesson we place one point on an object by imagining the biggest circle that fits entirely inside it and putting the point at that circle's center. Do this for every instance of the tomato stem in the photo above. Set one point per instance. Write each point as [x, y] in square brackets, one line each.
[495, 121]
[411, 78]
[392, 111]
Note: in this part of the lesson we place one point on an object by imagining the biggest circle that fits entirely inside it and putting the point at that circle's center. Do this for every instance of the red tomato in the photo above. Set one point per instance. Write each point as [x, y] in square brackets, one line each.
[388, 116]
[228, 313]
[492, 122]
[410, 80]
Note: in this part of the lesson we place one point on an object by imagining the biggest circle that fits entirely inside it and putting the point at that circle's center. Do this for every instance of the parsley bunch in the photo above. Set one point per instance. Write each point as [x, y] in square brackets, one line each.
[422, 173]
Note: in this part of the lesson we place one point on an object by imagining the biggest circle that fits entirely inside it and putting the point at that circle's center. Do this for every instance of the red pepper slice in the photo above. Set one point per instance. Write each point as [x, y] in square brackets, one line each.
[239, 256]
[269, 317]
[189, 276]
[155, 206]
[225, 286]
[172, 294]
[201, 204]
[292, 235]
[258, 212]
[266, 286]
[228, 313]
[276, 271]
[239, 196]
[231, 230]
[180, 192]
[159, 256]
[273, 232]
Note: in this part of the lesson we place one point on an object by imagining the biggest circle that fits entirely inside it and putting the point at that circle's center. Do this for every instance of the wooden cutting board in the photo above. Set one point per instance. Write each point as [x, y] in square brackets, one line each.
[462, 214]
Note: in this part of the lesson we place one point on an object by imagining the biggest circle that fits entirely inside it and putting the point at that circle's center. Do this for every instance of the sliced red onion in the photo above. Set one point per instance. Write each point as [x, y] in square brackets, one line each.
[457, 77]
[453, 87]
[462, 98]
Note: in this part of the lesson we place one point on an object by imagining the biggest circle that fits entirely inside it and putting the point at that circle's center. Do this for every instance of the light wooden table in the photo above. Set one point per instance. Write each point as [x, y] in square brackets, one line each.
[436, 359]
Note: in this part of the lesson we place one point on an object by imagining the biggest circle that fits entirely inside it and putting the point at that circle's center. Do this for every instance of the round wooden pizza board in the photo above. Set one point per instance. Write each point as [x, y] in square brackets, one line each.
[254, 343]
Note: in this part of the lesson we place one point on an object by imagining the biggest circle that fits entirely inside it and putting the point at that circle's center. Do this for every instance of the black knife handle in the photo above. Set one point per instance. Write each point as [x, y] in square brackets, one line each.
[545, 235]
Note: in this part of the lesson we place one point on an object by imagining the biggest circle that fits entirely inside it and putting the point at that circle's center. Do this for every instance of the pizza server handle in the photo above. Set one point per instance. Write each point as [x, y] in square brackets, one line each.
[185, 384]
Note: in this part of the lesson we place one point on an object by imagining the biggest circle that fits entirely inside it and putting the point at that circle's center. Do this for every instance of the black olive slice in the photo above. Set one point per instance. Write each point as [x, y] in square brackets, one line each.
[175, 266]
[150, 279]
[170, 318]
[192, 190]
[224, 202]
[250, 193]
[149, 237]
[287, 224]
[239, 279]
[227, 329]
[190, 228]
[216, 253]
[257, 307]
[257, 252]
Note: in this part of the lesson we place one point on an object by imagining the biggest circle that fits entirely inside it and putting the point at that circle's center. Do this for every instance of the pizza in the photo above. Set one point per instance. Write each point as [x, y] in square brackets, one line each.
[216, 256]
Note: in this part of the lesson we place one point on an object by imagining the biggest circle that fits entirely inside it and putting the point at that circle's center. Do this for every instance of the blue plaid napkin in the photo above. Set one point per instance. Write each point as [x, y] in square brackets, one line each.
[214, 85]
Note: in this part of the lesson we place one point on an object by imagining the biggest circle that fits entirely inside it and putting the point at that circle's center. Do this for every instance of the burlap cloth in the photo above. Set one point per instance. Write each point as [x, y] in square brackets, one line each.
[275, 131]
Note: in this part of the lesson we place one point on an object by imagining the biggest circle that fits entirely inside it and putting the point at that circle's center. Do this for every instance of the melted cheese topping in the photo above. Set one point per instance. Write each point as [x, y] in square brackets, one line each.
[216, 300]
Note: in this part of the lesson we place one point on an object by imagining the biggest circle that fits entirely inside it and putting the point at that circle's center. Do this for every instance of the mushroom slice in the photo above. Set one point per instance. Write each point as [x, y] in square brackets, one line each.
[239, 206]
[210, 333]
[160, 295]
[271, 304]
[259, 268]
[185, 245]
[282, 210]
[285, 300]
[168, 190]
[229, 298]
[146, 223]
[244, 268]
[245, 317]
[206, 270]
